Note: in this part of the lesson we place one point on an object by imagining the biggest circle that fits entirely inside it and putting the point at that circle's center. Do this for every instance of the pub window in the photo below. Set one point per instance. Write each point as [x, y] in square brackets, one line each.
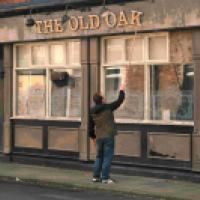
[156, 90]
[47, 80]
[171, 92]
[31, 92]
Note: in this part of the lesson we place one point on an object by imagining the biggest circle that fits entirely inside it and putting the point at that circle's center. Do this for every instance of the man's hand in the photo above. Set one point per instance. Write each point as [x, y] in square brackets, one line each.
[94, 141]
[122, 87]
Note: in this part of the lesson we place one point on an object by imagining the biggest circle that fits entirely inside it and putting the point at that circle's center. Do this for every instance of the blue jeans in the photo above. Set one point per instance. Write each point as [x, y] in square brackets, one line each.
[104, 156]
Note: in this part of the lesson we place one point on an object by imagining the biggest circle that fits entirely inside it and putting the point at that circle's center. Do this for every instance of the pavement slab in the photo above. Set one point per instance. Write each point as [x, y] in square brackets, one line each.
[59, 177]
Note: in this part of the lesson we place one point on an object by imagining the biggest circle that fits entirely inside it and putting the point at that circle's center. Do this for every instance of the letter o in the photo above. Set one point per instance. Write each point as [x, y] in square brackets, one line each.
[111, 23]
[73, 23]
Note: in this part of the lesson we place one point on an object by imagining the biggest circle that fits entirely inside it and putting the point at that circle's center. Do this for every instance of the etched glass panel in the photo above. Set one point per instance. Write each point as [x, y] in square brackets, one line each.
[59, 100]
[172, 92]
[75, 94]
[66, 95]
[31, 91]
[133, 79]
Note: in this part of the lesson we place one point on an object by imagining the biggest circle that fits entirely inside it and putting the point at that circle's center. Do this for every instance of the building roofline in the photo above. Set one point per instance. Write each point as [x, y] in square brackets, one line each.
[36, 6]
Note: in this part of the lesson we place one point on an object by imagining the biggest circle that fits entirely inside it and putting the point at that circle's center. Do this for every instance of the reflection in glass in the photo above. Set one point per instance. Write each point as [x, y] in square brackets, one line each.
[75, 95]
[133, 79]
[30, 99]
[172, 92]
[112, 84]
[66, 99]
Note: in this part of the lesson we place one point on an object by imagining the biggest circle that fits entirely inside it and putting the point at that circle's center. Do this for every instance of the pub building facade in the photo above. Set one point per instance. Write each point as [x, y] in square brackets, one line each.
[55, 56]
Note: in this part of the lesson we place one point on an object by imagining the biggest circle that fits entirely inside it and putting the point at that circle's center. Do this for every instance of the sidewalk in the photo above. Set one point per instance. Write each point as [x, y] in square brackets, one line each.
[153, 187]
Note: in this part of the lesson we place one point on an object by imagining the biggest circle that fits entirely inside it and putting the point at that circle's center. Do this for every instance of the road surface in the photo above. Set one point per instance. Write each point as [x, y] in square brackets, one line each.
[18, 191]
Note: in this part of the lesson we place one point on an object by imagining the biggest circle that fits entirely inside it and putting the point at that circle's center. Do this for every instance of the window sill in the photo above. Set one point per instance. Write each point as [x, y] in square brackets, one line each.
[75, 119]
[155, 122]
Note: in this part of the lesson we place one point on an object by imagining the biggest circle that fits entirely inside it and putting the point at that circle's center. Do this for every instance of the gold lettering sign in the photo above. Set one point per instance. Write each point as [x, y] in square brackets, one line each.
[136, 18]
[58, 26]
[90, 22]
[38, 26]
[110, 19]
[73, 24]
[83, 25]
[48, 26]
[122, 19]
[94, 22]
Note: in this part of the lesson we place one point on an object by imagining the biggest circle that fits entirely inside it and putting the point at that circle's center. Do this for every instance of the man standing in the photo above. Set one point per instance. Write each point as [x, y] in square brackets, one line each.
[102, 129]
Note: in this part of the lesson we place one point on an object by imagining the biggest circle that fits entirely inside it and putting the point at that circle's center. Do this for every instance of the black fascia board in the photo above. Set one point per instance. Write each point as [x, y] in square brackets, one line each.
[37, 6]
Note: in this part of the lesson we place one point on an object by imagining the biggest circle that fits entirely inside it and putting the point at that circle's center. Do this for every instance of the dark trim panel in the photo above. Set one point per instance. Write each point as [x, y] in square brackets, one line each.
[144, 160]
[31, 122]
[44, 152]
[156, 128]
[144, 129]
[152, 162]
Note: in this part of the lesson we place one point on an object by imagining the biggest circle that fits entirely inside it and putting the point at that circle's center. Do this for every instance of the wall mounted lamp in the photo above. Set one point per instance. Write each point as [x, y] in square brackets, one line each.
[30, 21]
[65, 17]
[85, 9]
[104, 9]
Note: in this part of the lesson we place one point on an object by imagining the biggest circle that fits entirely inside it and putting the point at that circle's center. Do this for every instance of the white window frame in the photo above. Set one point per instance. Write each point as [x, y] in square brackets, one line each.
[146, 63]
[47, 67]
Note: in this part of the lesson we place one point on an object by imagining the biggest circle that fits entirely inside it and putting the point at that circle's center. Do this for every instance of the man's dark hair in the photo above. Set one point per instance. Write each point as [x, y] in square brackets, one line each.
[97, 98]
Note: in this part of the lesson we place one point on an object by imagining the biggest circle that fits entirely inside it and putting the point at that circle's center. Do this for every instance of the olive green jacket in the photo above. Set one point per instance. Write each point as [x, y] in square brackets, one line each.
[101, 120]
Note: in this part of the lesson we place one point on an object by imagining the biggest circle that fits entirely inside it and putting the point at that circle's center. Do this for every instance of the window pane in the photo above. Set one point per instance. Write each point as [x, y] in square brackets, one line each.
[114, 50]
[133, 77]
[112, 84]
[39, 55]
[23, 56]
[73, 53]
[58, 100]
[172, 92]
[31, 93]
[134, 49]
[66, 96]
[75, 93]
[158, 48]
[57, 54]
